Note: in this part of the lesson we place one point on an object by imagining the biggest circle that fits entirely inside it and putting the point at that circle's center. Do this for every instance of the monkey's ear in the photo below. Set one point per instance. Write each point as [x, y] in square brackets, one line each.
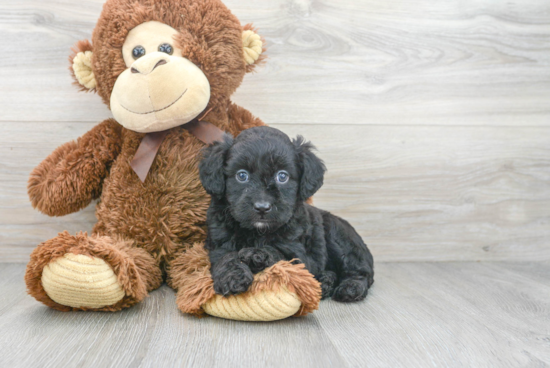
[253, 47]
[81, 66]
[313, 169]
[211, 166]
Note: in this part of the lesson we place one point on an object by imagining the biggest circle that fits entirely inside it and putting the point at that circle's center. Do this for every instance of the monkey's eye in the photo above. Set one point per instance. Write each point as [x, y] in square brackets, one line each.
[138, 52]
[282, 176]
[165, 47]
[242, 176]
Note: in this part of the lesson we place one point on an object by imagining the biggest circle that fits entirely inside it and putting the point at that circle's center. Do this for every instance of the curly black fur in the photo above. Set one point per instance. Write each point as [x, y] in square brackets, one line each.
[253, 224]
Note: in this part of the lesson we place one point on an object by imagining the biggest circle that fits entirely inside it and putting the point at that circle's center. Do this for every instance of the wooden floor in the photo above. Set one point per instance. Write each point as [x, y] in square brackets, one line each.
[417, 315]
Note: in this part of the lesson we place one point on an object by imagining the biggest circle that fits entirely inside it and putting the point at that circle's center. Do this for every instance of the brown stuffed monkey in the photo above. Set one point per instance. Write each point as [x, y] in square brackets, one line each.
[161, 66]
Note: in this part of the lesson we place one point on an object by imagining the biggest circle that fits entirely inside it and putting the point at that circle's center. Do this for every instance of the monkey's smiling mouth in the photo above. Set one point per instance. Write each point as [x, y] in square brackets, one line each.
[152, 111]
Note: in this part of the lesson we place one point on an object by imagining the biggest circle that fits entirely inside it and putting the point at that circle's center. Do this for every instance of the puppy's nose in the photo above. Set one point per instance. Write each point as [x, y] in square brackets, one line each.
[262, 207]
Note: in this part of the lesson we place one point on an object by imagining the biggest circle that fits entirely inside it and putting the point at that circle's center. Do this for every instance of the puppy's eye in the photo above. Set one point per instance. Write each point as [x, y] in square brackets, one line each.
[242, 176]
[138, 52]
[282, 177]
[166, 48]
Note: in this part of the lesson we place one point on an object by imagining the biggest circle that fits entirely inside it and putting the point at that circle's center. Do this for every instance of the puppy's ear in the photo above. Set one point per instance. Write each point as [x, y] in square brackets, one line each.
[313, 169]
[211, 166]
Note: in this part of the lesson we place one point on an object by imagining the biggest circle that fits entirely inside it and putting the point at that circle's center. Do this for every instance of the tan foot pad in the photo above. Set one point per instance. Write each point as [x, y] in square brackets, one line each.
[262, 306]
[78, 281]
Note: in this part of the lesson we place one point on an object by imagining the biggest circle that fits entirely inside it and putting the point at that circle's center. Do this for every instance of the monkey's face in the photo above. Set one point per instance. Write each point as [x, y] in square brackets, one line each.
[160, 64]
[160, 89]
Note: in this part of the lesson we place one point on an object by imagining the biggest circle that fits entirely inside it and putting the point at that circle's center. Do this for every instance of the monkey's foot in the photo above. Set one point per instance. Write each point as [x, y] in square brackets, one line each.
[80, 281]
[84, 272]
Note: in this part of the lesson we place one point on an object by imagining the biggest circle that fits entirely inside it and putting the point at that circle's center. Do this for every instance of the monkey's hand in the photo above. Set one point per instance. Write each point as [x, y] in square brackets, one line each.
[72, 175]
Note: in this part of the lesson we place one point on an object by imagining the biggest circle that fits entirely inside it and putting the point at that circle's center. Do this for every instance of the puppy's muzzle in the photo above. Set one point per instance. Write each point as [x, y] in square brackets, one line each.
[262, 207]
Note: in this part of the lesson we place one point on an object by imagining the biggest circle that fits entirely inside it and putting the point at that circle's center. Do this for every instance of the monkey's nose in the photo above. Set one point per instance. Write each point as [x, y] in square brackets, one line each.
[147, 64]
[262, 207]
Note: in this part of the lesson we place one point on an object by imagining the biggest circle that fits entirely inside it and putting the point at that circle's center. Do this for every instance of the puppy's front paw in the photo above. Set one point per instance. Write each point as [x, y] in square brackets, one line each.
[232, 280]
[257, 259]
[327, 280]
[351, 290]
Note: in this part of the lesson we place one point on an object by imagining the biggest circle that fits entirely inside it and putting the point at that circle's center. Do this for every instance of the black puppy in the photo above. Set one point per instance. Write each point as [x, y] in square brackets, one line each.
[259, 183]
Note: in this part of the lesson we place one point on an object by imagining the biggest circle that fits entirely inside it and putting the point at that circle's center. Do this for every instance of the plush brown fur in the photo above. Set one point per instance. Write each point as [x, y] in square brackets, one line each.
[145, 230]
[72, 175]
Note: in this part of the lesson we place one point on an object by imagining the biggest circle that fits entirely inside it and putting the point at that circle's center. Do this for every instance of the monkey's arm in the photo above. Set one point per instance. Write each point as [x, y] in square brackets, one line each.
[72, 175]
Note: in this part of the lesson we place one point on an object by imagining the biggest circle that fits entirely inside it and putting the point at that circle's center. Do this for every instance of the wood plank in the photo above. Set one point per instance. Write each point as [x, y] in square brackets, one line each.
[151, 334]
[368, 62]
[413, 193]
[416, 315]
[445, 314]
